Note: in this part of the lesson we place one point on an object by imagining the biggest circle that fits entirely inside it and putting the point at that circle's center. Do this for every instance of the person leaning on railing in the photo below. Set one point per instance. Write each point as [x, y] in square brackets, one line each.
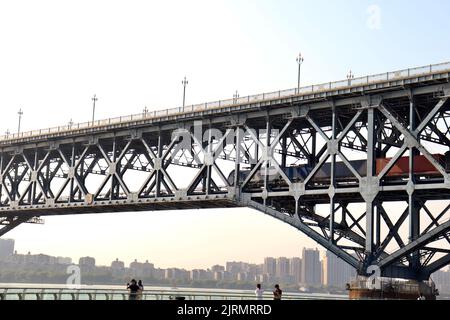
[133, 288]
[141, 290]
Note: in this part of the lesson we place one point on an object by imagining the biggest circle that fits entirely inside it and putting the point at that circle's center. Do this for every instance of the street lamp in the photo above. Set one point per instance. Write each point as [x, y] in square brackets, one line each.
[70, 124]
[7, 133]
[145, 111]
[350, 76]
[235, 97]
[94, 100]
[299, 60]
[184, 83]
[20, 113]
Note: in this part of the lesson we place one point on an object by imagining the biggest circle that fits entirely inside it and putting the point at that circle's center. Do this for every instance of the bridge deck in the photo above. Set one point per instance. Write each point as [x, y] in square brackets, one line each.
[437, 73]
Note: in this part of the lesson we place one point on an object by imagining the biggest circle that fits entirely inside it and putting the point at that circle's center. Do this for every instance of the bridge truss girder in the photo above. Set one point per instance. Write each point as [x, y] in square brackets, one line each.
[96, 172]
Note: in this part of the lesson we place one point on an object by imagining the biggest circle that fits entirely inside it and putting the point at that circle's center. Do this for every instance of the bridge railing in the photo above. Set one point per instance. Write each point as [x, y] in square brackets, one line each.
[107, 294]
[371, 79]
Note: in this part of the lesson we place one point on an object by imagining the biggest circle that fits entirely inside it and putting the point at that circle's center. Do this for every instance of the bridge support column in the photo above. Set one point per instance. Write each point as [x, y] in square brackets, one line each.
[268, 158]
[413, 205]
[332, 150]
[237, 163]
[371, 186]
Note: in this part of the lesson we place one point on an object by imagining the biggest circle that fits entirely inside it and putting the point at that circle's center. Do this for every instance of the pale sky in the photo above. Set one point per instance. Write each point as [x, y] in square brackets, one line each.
[55, 55]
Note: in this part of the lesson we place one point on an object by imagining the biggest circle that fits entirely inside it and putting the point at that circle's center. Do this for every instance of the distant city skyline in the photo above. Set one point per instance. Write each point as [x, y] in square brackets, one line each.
[309, 269]
[312, 269]
[127, 262]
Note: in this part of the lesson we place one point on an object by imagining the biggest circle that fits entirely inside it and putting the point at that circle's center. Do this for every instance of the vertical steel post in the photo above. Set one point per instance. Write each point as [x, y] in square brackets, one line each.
[1, 173]
[284, 151]
[83, 180]
[371, 170]
[15, 184]
[33, 186]
[237, 163]
[267, 163]
[378, 226]
[113, 177]
[72, 163]
[413, 206]
[158, 172]
[312, 157]
[344, 213]
[209, 151]
[256, 152]
[333, 171]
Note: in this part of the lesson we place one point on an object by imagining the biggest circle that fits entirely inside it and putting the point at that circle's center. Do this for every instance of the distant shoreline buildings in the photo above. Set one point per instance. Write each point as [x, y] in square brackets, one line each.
[306, 272]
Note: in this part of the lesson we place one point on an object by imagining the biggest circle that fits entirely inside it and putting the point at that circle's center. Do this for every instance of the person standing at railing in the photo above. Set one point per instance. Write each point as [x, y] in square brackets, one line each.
[277, 293]
[133, 288]
[141, 290]
[259, 292]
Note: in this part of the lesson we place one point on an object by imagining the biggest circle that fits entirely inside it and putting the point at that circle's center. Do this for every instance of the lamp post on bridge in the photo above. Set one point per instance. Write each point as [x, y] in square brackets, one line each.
[144, 112]
[235, 97]
[7, 133]
[350, 76]
[184, 83]
[299, 60]
[20, 113]
[94, 100]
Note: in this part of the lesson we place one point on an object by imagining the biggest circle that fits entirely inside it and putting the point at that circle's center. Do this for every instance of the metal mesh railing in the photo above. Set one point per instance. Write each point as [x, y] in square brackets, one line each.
[372, 79]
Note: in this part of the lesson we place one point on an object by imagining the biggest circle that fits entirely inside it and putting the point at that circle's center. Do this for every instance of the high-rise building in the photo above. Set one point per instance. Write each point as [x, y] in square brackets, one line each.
[176, 274]
[117, 265]
[159, 273]
[282, 268]
[270, 267]
[63, 260]
[148, 269]
[311, 270]
[295, 269]
[194, 274]
[219, 275]
[200, 274]
[262, 278]
[139, 269]
[217, 268]
[87, 262]
[39, 259]
[242, 276]
[336, 272]
[236, 267]
[6, 248]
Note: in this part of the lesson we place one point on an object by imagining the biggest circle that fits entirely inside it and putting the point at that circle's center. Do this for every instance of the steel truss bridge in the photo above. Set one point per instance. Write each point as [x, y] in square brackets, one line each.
[187, 158]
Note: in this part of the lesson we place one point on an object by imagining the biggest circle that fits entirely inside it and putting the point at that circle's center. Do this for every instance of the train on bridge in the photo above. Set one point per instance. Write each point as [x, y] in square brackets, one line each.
[423, 168]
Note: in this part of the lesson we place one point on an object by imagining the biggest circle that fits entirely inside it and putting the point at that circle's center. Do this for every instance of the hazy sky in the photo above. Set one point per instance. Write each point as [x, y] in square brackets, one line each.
[54, 55]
